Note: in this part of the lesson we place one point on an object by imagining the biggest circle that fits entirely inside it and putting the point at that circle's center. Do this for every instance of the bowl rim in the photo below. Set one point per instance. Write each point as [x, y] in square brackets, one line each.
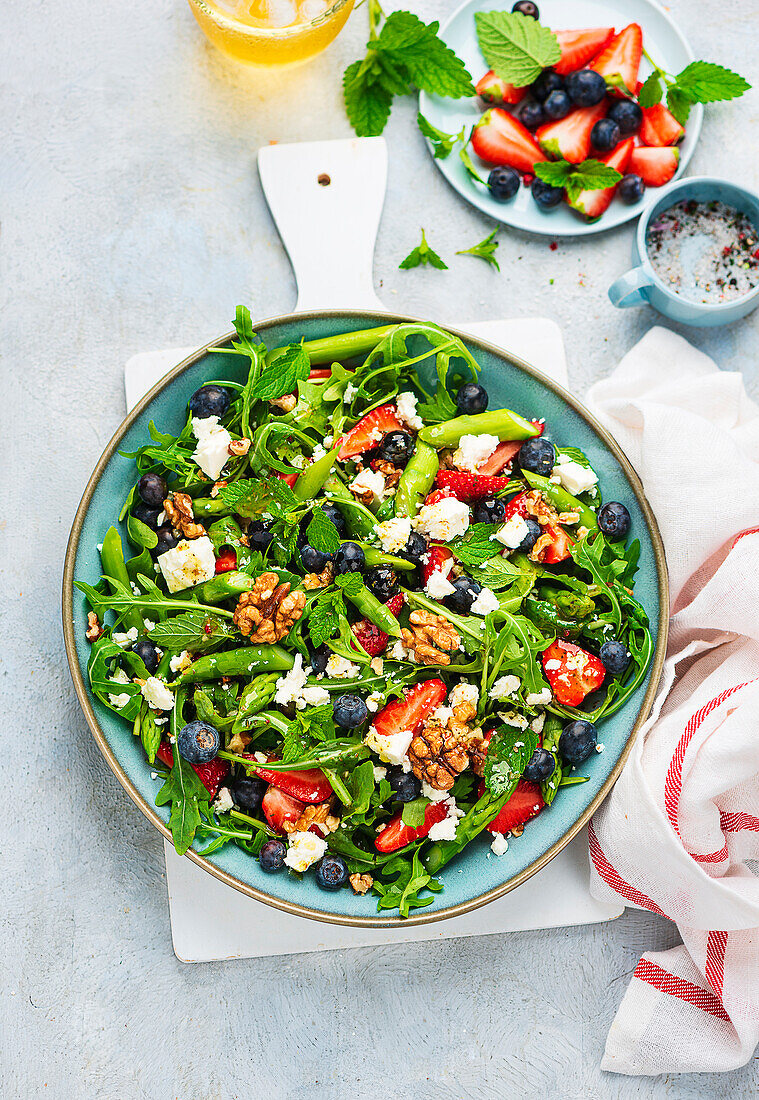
[381, 317]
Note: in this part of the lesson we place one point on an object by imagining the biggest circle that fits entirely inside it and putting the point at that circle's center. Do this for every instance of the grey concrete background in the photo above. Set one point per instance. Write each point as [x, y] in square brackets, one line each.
[132, 218]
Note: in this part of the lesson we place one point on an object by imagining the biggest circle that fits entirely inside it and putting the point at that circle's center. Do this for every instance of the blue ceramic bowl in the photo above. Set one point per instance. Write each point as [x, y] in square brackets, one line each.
[510, 382]
[642, 286]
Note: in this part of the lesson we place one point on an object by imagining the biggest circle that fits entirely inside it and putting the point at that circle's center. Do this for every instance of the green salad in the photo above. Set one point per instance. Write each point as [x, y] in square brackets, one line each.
[366, 617]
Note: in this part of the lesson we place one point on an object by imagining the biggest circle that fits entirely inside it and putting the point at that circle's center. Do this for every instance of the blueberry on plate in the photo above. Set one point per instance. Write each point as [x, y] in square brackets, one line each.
[526, 7]
[313, 560]
[614, 520]
[152, 488]
[331, 872]
[471, 399]
[631, 188]
[396, 447]
[147, 651]
[577, 741]
[336, 517]
[167, 540]
[542, 765]
[259, 535]
[209, 401]
[146, 515]
[532, 115]
[489, 511]
[532, 536]
[198, 742]
[248, 792]
[586, 87]
[350, 558]
[557, 105]
[547, 82]
[465, 593]
[627, 115]
[272, 855]
[383, 582]
[605, 135]
[537, 455]
[349, 711]
[406, 787]
[319, 656]
[415, 548]
[615, 657]
[546, 196]
[504, 183]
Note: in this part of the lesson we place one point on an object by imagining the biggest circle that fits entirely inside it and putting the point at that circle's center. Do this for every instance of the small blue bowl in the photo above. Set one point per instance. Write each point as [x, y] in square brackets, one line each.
[642, 286]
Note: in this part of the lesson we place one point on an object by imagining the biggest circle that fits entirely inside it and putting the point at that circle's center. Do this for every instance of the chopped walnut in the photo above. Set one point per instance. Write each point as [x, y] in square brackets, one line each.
[239, 742]
[391, 474]
[363, 496]
[569, 518]
[478, 747]
[517, 830]
[319, 580]
[94, 629]
[178, 509]
[538, 506]
[319, 814]
[217, 485]
[361, 884]
[266, 613]
[286, 403]
[239, 447]
[542, 543]
[465, 711]
[439, 753]
[431, 638]
[445, 459]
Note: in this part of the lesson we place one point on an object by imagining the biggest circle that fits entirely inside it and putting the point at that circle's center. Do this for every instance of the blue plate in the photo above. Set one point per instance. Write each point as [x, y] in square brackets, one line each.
[661, 38]
[484, 877]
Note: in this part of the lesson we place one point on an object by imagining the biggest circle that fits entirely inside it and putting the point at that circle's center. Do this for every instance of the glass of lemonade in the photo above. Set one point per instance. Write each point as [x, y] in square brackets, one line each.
[271, 32]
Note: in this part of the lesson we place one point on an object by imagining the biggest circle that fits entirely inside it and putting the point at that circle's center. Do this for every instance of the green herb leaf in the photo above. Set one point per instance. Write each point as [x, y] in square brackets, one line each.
[509, 752]
[324, 618]
[554, 172]
[651, 92]
[351, 583]
[198, 631]
[415, 48]
[252, 498]
[476, 546]
[413, 812]
[282, 374]
[442, 143]
[187, 795]
[679, 104]
[423, 255]
[485, 250]
[471, 171]
[705, 82]
[367, 98]
[515, 47]
[140, 534]
[322, 533]
[591, 175]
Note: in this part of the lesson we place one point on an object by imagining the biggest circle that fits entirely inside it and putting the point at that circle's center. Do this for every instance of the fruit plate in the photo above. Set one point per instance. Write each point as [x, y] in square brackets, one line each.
[476, 877]
[661, 38]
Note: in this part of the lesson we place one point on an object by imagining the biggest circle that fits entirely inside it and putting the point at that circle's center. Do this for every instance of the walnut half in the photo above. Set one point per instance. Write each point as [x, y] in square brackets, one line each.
[178, 509]
[439, 753]
[94, 629]
[266, 613]
[431, 638]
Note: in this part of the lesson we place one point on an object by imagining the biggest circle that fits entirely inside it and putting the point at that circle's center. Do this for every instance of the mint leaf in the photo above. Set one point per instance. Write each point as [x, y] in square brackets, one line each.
[423, 255]
[651, 92]
[515, 47]
[679, 104]
[485, 250]
[553, 172]
[187, 795]
[591, 175]
[367, 98]
[705, 82]
[430, 64]
[413, 813]
[476, 546]
[282, 374]
[198, 631]
[509, 752]
[442, 143]
[350, 583]
[251, 498]
[324, 618]
[322, 533]
[471, 171]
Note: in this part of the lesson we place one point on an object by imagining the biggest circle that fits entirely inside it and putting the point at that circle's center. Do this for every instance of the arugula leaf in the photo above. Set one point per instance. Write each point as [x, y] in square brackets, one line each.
[410, 879]
[413, 812]
[651, 91]
[476, 546]
[322, 534]
[591, 175]
[471, 171]
[140, 534]
[150, 732]
[485, 250]
[282, 375]
[251, 498]
[424, 255]
[187, 795]
[515, 47]
[509, 752]
[442, 144]
[198, 631]
[361, 787]
[706, 82]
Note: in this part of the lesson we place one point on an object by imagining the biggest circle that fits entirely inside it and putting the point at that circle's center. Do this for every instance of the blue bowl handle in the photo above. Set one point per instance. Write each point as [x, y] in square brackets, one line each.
[628, 289]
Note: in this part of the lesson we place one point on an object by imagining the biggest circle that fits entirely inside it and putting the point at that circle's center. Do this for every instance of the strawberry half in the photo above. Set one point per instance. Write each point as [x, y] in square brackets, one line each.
[396, 835]
[369, 431]
[660, 127]
[470, 486]
[559, 549]
[210, 774]
[369, 635]
[499, 138]
[496, 91]
[289, 478]
[437, 556]
[592, 204]
[578, 47]
[226, 561]
[656, 165]
[306, 786]
[526, 802]
[438, 494]
[408, 712]
[621, 58]
[569, 138]
[572, 672]
[279, 807]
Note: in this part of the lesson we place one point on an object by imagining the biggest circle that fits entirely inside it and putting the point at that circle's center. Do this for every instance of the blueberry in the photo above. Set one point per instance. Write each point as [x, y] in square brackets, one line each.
[349, 711]
[383, 582]
[198, 742]
[331, 872]
[406, 787]
[532, 536]
[259, 535]
[313, 560]
[627, 115]
[209, 401]
[537, 455]
[146, 515]
[545, 195]
[631, 188]
[319, 657]
[532, 116]
[466, 592]
[557, 105]
[526, 7]
[605, 135]
[248, 793]
[489, 511]
[471, 399]
[504, 183]
[396, 447]
[547, 82]
[586, 87]
[577, 741]
[615, 657]
[415, 548]
[272, 855]
[542, 765]
[167, 540]
[614, 520]
[147, 652]
[152, 488]
[336, 517]
[350, 558]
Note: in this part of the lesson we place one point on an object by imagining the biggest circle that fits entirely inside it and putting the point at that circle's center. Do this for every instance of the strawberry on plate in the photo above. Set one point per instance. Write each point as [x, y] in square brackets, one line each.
[592, 204]
[439, 494]
[227, 560]
[569, 138]
[279, 807]
[621, 58]
[559, 547]
[210, 774]
[578, 47]
[504, 454]
[467, 486]
[436, 559]
[656, 165]
[289, 478]
[396, 835]
[306, 786]
[499, 138]
[526, 802]
[369, 635]
[660, 127]
[408, 712]
[572, 672]
[369, 431]
[496, 91]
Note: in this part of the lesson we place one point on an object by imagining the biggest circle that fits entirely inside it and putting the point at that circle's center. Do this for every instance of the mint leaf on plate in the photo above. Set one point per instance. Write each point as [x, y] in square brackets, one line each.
[282, 374]
[650, 93]
[705, 82]
[515, 47]
[590, 175]
[322, 533]
[509, 752]
[442, 143]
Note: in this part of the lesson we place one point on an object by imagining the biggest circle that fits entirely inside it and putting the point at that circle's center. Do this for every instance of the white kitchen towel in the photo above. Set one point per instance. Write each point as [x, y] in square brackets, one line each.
[680, 828]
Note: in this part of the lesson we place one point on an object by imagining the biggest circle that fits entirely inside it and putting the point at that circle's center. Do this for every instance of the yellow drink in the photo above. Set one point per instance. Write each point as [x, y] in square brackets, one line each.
[271, 32]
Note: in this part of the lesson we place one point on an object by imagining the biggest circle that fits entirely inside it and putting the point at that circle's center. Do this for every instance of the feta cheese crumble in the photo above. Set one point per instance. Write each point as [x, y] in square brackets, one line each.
[126, 639]
[391, 748]
[180, 661]
[433, 793]
[212, 451]
[473, 450]
[379, 773]
[464, 693]
[500, 844]
[438, 586]
[394, 534]
[339, 668]
[292, 688]
[505, 686]
[513, 532]
[399, 651]
[121, 700]
[223, 801]
[369, 481]
[156, 693]
[444, 520]
[405, 405]
[188, 563]
[486, 602]
[304, 850]
[373, 701]
[574, 477]
[446, 829]
[349, 393]
[539, 698]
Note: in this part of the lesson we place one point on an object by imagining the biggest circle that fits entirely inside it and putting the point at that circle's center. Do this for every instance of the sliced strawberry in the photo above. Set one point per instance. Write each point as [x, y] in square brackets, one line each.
[279, 807]
[572, 672]
[467, 486]
[621, 58]
[318, 374]
[226, 560]
[369, 635]
[526, 802]
[289, 478]
[578, 47]
[660, 127]
[438, 494]
[396, 835]
[502, 456]
[592, 204]
[569, 138]
[408, 712]
[499, 138]
[559, 550]
[365, 435]
[437, 557]
[655, 166]
[517, 506]
[496, 91]
[210, 774]
[306, 786]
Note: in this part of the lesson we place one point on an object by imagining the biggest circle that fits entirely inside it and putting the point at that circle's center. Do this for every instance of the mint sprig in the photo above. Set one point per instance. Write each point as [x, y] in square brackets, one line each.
[699, 82]
[516, 48]
[423, 255]
[442, 143]
[484, 250]
[590, 175]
